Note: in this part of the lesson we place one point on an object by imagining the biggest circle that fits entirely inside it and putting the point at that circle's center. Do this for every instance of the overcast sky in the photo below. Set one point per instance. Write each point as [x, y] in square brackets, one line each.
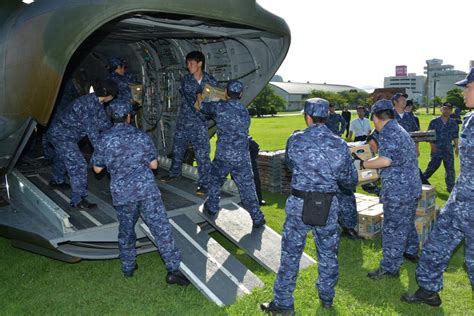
[360, 42]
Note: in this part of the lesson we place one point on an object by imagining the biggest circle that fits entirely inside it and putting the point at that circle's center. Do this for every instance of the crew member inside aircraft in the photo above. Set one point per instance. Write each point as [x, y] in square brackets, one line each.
[191, 126]
[320, 162]
[401, 189]
[85, 117]
[232, 153]
[129, 155]
[116, 67]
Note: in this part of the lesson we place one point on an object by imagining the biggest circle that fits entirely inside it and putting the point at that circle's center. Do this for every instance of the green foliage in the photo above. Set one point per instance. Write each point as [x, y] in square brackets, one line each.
[267, 102]
[455, 97]
[350, 98]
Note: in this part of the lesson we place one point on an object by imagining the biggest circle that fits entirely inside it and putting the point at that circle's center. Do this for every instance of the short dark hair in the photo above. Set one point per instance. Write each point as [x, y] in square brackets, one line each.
[385, 115]
[319, 119]
[198, 57]
[360, 107]
[122, 119]
[234, 95]
[103, 88]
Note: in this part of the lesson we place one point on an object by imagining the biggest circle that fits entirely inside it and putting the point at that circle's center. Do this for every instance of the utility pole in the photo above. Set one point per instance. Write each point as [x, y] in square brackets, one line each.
[435, 76]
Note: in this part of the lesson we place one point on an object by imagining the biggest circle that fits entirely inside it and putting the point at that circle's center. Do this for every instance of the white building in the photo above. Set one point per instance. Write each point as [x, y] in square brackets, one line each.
[295, 93]
[414, 85]
[441, 78]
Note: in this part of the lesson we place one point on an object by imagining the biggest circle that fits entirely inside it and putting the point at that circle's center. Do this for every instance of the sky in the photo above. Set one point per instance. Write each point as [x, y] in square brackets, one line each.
[359, 42]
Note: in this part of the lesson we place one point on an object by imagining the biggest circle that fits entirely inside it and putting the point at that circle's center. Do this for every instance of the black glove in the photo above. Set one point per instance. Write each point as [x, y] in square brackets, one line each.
[355, 157]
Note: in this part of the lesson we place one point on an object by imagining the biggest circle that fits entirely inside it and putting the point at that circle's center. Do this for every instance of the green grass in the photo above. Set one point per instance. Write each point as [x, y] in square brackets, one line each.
[31, 284]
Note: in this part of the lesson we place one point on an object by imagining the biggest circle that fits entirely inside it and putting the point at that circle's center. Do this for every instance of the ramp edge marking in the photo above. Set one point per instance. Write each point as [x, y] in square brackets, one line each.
[208, 255]
[91, 218]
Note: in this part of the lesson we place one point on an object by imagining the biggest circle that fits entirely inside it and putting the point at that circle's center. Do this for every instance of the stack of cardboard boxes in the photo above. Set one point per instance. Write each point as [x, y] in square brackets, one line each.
[370, 214]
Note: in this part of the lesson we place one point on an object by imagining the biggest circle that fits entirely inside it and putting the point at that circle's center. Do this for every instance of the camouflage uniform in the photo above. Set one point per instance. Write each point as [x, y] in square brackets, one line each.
[124, 92]
[85, 117]
[126, 152]
[347, 207]
[408, 122]
[455, 223]
[336, 123]
[401, 189]
[232, 153]
[191, 127]
[307, 154]
[445, 134]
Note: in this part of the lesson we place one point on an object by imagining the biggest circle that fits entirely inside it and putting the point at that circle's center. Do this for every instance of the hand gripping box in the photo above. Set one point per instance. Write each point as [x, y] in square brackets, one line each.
[210, 93]
[363, 152]
[370, 221]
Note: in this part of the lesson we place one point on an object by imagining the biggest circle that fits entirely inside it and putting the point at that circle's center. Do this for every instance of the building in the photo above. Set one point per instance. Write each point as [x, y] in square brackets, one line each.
[440, 78]
[410, 83]
[295, 93]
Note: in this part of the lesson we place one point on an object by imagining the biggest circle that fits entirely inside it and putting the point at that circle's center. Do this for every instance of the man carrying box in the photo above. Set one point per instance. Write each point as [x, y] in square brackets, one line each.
[401, 189]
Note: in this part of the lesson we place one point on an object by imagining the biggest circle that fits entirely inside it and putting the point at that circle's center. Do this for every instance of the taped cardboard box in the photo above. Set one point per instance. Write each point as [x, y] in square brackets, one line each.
[210, 93]
[364, 204]
[423, 228]
[423, 136]
[370, 222]
[363, 152]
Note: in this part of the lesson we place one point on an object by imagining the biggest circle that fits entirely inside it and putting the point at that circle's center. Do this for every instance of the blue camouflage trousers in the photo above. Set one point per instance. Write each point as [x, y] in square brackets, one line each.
[243, 177]
[347, 209]
[455, 223]
[447, 157]
[293, 242]
[398, 233]
[68, 160]
[154, 215]
[198, 136]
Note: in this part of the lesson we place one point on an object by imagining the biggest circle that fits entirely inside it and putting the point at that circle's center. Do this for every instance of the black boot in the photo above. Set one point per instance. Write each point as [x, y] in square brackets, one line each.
[176, 277]
[350, 233]
[271, 308]
[85, 205]
[422, 296]
[129, 274]
[380, 273]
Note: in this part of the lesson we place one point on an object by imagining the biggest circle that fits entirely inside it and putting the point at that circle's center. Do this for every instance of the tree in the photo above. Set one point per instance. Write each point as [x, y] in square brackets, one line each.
[267, 102]
[455, 97]
[352, 97]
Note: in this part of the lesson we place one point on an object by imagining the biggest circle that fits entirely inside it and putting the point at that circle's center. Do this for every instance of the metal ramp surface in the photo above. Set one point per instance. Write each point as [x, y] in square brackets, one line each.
[262, 244]
[210, 267]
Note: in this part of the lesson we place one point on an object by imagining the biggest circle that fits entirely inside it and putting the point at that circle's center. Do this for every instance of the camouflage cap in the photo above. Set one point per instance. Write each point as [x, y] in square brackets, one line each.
[114, 61]
[316, 107]
[120, 108]
[235, 86]
[469, 78]
[397, 96]
[382, 105]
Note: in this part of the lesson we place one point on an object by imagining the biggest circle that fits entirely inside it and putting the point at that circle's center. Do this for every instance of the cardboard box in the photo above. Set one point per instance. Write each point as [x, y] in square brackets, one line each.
[423, 136]
[210, 93]
[137, 92]
[363, 152]
[423, 228]
[370, 222]
[363, 204]
[428, 197]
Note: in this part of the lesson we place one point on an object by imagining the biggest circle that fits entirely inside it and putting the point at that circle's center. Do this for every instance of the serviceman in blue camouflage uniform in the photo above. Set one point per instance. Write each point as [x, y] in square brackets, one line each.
[447, 132]
[320, 162]
[116, 67]
[232, 153]
[129, 155]
[401, 189]
[335, 122]
[85, 117]
[456, 221]
[347, 212]
[405, 119]
[191, 126]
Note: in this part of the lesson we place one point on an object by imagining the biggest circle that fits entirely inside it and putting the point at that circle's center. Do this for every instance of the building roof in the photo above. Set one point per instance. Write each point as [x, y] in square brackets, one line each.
[306, 88]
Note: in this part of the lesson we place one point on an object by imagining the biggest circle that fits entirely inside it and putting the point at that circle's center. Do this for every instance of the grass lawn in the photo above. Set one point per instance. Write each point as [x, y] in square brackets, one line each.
[31, 284]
